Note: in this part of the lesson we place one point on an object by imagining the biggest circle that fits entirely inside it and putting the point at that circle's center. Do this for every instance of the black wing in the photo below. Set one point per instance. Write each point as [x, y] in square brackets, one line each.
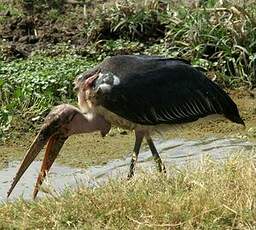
[155, 90]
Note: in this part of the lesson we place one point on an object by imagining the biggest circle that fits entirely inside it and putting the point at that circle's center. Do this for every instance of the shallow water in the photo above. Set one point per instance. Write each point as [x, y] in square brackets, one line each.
[173, 152]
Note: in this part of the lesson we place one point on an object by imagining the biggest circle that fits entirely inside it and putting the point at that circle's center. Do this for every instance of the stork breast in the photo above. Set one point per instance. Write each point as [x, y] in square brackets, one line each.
[114, 119]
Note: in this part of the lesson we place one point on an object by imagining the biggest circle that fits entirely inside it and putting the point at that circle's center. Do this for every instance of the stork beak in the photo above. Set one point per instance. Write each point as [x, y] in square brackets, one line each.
[55, 142]
[50, 133]
[53, 148]
[31, 154]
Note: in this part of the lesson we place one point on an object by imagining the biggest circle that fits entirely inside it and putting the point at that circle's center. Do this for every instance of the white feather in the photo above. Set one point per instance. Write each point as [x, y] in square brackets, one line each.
[105, 87]
[116, 80]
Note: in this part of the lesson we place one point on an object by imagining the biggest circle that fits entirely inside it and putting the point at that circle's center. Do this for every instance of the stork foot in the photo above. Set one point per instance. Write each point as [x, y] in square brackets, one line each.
[132, 165]
[160, 165]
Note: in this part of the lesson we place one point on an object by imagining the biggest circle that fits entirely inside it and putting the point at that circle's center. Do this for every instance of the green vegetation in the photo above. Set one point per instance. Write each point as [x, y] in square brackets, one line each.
[221, 39]
[211, 196]
[28, 88]
[5, 8]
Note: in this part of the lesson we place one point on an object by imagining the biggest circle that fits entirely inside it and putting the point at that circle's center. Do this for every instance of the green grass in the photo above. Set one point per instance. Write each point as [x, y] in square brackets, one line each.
[211, 196]
[219, 38]
[8, 7]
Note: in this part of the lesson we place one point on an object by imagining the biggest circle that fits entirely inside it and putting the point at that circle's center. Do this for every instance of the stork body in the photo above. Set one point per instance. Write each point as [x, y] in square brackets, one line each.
[151, 91]
[139, 93]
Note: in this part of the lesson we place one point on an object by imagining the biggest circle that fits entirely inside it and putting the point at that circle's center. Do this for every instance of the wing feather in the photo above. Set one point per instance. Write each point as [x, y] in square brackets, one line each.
[163, 91]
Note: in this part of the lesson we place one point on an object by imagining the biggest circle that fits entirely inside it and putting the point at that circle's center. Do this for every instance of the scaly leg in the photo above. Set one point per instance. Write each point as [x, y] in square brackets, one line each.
[139, 135]
[155, 154]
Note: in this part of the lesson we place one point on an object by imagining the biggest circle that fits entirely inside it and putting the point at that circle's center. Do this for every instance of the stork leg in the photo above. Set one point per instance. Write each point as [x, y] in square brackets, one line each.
[159, 163]
[138, 140]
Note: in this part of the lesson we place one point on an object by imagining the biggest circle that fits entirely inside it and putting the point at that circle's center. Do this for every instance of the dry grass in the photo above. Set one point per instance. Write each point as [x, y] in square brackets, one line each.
[212, 196]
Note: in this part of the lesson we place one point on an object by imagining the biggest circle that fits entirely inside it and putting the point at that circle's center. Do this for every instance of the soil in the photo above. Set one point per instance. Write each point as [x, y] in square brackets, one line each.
[24, 34]
[41, 28]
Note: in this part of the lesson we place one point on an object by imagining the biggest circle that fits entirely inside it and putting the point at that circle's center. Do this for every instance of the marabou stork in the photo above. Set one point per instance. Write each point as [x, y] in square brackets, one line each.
[138, 93]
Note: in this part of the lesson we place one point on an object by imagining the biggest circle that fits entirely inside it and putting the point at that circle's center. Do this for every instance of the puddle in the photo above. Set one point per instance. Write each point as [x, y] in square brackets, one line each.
[173, 152]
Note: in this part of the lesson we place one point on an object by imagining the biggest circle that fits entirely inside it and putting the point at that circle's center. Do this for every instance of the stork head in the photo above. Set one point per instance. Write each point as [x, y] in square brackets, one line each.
[83, 87]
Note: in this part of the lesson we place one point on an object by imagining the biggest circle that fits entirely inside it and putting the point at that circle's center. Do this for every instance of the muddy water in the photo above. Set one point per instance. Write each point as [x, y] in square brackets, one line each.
[173, 152]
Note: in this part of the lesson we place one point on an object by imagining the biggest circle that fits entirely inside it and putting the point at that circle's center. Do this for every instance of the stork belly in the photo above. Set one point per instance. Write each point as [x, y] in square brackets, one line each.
[116, 120]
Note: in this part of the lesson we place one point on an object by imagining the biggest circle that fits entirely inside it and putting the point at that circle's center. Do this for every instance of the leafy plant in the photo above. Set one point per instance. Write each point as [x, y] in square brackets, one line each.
[28, 88]
[131, 20]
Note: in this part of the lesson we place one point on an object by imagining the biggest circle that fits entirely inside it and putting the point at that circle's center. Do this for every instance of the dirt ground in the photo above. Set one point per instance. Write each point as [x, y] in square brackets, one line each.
[91, 149]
